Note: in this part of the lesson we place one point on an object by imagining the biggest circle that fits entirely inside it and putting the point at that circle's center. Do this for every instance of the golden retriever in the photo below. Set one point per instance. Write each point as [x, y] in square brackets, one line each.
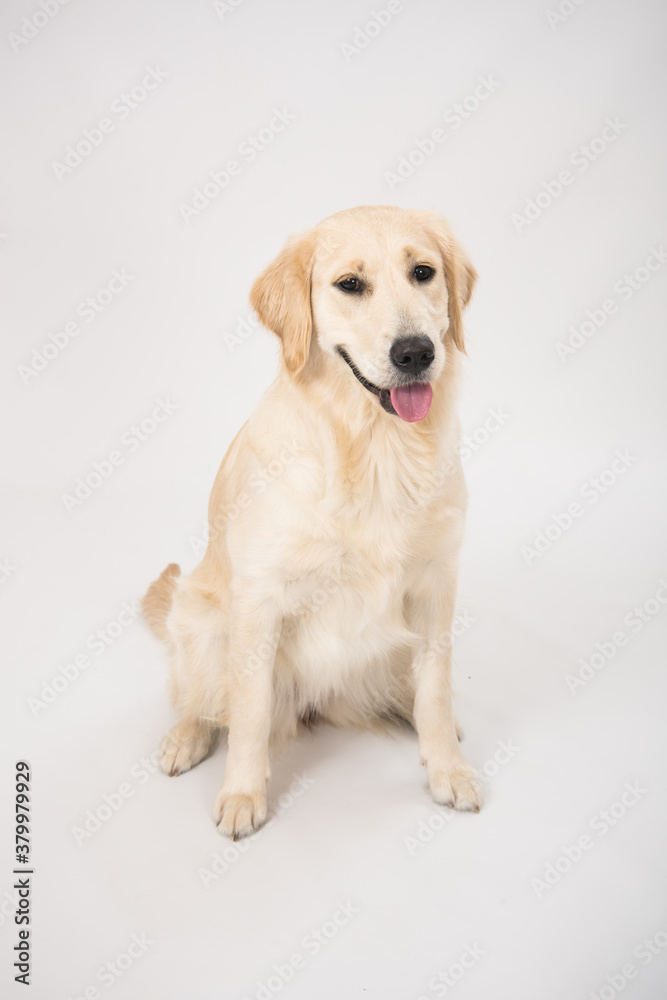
[328, 585]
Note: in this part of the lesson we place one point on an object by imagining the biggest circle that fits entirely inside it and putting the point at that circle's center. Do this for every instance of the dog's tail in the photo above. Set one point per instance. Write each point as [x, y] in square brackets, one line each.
[156, 604]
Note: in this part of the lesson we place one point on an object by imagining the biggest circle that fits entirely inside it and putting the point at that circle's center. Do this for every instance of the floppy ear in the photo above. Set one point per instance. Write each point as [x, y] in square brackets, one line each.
[281, 299]
[460, 276]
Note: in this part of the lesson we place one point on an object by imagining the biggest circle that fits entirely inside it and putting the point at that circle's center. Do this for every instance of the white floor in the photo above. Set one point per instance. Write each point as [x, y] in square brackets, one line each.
[359, 886]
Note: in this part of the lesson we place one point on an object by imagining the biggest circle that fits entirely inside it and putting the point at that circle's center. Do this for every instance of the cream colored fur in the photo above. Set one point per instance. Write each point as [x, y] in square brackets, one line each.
[327, 589]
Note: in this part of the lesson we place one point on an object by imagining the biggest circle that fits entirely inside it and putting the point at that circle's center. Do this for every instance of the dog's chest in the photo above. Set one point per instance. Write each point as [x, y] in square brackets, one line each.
[345, 606]
[346, 615]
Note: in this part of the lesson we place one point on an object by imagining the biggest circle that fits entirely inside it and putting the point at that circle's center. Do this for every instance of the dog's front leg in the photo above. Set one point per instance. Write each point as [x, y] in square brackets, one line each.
[240, 807]
[452, 780]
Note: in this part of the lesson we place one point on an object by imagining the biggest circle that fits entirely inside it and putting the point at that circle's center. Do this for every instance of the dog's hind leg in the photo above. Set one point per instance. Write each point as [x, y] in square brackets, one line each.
[197, 633]
[186, 744]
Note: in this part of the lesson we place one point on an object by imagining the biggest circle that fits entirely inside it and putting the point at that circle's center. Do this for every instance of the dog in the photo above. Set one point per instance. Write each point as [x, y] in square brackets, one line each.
[327, 588]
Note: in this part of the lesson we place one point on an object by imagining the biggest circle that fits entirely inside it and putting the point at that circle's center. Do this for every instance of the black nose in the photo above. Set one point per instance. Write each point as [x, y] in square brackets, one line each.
[412, 354]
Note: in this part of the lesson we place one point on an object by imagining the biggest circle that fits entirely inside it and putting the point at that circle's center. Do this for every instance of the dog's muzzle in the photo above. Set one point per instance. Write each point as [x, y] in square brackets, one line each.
[383, 394]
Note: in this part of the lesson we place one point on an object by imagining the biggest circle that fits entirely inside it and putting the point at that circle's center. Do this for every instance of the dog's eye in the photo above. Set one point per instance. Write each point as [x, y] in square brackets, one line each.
[423, 272]
[350, 285]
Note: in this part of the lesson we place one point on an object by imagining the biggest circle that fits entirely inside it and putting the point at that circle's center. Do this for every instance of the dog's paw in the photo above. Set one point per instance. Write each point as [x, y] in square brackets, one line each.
[186, 744]
[458, 787]
[238, 815]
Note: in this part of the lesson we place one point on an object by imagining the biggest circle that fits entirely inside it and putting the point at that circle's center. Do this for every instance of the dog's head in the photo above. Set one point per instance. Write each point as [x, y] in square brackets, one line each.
[380, 290]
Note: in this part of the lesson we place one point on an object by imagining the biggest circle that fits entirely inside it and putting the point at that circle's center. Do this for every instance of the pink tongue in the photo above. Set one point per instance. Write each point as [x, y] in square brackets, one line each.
[412, 402]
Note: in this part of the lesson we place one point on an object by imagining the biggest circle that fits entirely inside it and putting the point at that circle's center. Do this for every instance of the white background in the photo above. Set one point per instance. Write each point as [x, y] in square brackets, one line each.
[167, 335]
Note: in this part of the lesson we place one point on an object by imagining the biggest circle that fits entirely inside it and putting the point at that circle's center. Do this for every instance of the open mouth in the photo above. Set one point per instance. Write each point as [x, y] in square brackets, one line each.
[411, 402]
